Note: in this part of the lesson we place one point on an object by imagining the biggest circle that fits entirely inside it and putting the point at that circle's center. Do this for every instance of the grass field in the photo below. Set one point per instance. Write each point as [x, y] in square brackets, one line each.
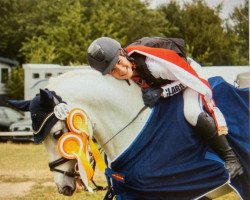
[24, 175]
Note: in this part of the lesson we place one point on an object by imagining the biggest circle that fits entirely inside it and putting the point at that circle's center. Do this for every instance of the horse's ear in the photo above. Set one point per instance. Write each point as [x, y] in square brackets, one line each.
[20, 104]
[46, 98]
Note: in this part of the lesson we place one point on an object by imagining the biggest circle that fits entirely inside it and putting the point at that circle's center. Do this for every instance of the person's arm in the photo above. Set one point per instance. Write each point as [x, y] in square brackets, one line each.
[159, 71]
[172, 88]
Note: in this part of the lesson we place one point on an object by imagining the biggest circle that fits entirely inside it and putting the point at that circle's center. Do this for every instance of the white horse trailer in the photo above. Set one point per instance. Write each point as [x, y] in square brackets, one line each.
[230, 74]
[37, 75]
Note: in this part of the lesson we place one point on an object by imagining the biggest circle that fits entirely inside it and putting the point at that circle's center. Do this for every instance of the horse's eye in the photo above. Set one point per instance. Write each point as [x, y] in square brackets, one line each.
[57, 134]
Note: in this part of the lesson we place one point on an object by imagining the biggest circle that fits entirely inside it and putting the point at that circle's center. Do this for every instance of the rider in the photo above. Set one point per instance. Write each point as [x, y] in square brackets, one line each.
[163, 73]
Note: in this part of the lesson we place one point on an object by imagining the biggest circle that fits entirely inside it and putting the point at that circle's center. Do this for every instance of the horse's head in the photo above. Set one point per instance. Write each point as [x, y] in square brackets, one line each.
[110, 104]
[48, 128]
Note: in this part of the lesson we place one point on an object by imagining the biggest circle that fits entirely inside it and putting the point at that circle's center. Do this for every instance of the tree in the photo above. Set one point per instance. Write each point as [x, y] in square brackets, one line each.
[201, 27]
[15, 84]
[172, 13]
[64, 38]
[15, 26]
[61, 39]
[125, 21]
[240, 28]
[60, 31]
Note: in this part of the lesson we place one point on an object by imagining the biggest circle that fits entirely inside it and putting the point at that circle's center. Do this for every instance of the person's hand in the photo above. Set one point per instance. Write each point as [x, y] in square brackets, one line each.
[151, 96]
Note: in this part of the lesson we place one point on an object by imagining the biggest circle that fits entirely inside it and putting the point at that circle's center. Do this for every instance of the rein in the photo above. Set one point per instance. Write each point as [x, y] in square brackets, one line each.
[144, 108]
[76, 144]
[62, 160]
[81, 133]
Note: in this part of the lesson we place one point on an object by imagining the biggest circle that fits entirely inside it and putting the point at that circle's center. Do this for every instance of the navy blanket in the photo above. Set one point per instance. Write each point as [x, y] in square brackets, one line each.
[167, 161]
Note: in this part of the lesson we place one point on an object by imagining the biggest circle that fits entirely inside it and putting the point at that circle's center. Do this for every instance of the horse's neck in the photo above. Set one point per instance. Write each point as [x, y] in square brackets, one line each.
[110, 104]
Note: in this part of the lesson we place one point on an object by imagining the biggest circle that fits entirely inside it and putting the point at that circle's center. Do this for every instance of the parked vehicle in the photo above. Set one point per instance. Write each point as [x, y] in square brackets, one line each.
[22, 131]
[243, 80]
[7, 117]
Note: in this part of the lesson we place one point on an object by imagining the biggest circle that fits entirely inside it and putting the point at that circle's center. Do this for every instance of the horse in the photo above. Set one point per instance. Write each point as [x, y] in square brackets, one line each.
[154, 151]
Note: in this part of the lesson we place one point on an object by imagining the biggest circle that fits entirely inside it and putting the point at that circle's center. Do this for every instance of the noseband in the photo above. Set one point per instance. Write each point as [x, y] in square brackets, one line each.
[74, 144]
[76, 122]
[78, 136]
[60, 161]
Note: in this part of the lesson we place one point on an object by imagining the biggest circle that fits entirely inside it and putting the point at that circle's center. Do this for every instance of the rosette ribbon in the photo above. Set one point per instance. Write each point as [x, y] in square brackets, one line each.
[72, 146]
[77, 143]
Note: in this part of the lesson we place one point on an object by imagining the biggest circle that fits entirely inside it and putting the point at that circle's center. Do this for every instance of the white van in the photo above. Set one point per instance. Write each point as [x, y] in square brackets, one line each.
[243, 80]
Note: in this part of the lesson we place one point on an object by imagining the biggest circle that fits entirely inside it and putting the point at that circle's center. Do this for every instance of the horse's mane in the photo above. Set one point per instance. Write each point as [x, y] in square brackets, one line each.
[109, 103]
[91, 83]
[88, 88]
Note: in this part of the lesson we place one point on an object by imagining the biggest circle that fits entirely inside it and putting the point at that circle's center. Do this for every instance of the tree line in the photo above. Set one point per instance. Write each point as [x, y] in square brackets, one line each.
[60, 31]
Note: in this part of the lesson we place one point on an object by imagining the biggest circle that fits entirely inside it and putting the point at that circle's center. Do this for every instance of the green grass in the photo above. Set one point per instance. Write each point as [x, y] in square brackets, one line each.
[29, 163]
[41, 192]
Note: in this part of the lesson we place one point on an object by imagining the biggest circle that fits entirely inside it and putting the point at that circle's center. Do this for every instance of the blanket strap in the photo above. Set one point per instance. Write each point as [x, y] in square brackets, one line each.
[112, 176]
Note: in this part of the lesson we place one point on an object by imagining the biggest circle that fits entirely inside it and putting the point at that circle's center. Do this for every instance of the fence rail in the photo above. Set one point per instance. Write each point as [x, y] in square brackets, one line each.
[17, 133]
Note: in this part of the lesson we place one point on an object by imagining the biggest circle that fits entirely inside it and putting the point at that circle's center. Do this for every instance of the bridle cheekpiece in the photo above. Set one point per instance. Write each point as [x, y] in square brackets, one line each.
[76, 144]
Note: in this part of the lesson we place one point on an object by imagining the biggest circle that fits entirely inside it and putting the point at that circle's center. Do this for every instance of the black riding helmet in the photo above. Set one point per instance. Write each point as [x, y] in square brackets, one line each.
[103, 54]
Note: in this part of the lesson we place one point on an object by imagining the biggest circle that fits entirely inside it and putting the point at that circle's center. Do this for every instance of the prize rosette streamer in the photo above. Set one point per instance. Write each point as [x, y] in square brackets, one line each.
[73, 146]
[77, 121]
[97, 156]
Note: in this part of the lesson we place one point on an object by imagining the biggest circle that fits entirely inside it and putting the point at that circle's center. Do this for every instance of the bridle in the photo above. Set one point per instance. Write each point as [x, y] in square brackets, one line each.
[62, 160]
[58, 162]
[54, 164]
[71, 117]
[76, 121]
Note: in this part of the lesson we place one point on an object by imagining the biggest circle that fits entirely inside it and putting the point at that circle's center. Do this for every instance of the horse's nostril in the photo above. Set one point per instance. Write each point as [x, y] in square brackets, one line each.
[68, 191]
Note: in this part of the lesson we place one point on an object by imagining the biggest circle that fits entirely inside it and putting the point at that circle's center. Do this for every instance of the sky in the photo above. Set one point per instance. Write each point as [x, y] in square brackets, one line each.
[228, 5]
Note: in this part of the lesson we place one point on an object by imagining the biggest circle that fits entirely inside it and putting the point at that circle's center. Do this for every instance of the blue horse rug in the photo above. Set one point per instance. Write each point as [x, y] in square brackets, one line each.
[167, 160]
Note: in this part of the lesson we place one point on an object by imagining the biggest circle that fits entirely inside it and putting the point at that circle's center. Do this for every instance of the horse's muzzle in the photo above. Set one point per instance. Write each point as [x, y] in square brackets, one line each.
[66, 190]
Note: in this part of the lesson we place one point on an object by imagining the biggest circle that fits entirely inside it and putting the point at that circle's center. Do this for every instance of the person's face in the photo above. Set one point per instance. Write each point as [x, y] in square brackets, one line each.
[123, 69]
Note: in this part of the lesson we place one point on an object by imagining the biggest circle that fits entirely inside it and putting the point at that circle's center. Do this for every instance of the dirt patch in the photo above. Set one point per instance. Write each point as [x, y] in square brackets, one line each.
[49, 184]
[10, 190]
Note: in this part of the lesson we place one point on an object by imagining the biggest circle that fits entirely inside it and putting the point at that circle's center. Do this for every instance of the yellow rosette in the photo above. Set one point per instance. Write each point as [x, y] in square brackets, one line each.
[77, 121]
[73, 146]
